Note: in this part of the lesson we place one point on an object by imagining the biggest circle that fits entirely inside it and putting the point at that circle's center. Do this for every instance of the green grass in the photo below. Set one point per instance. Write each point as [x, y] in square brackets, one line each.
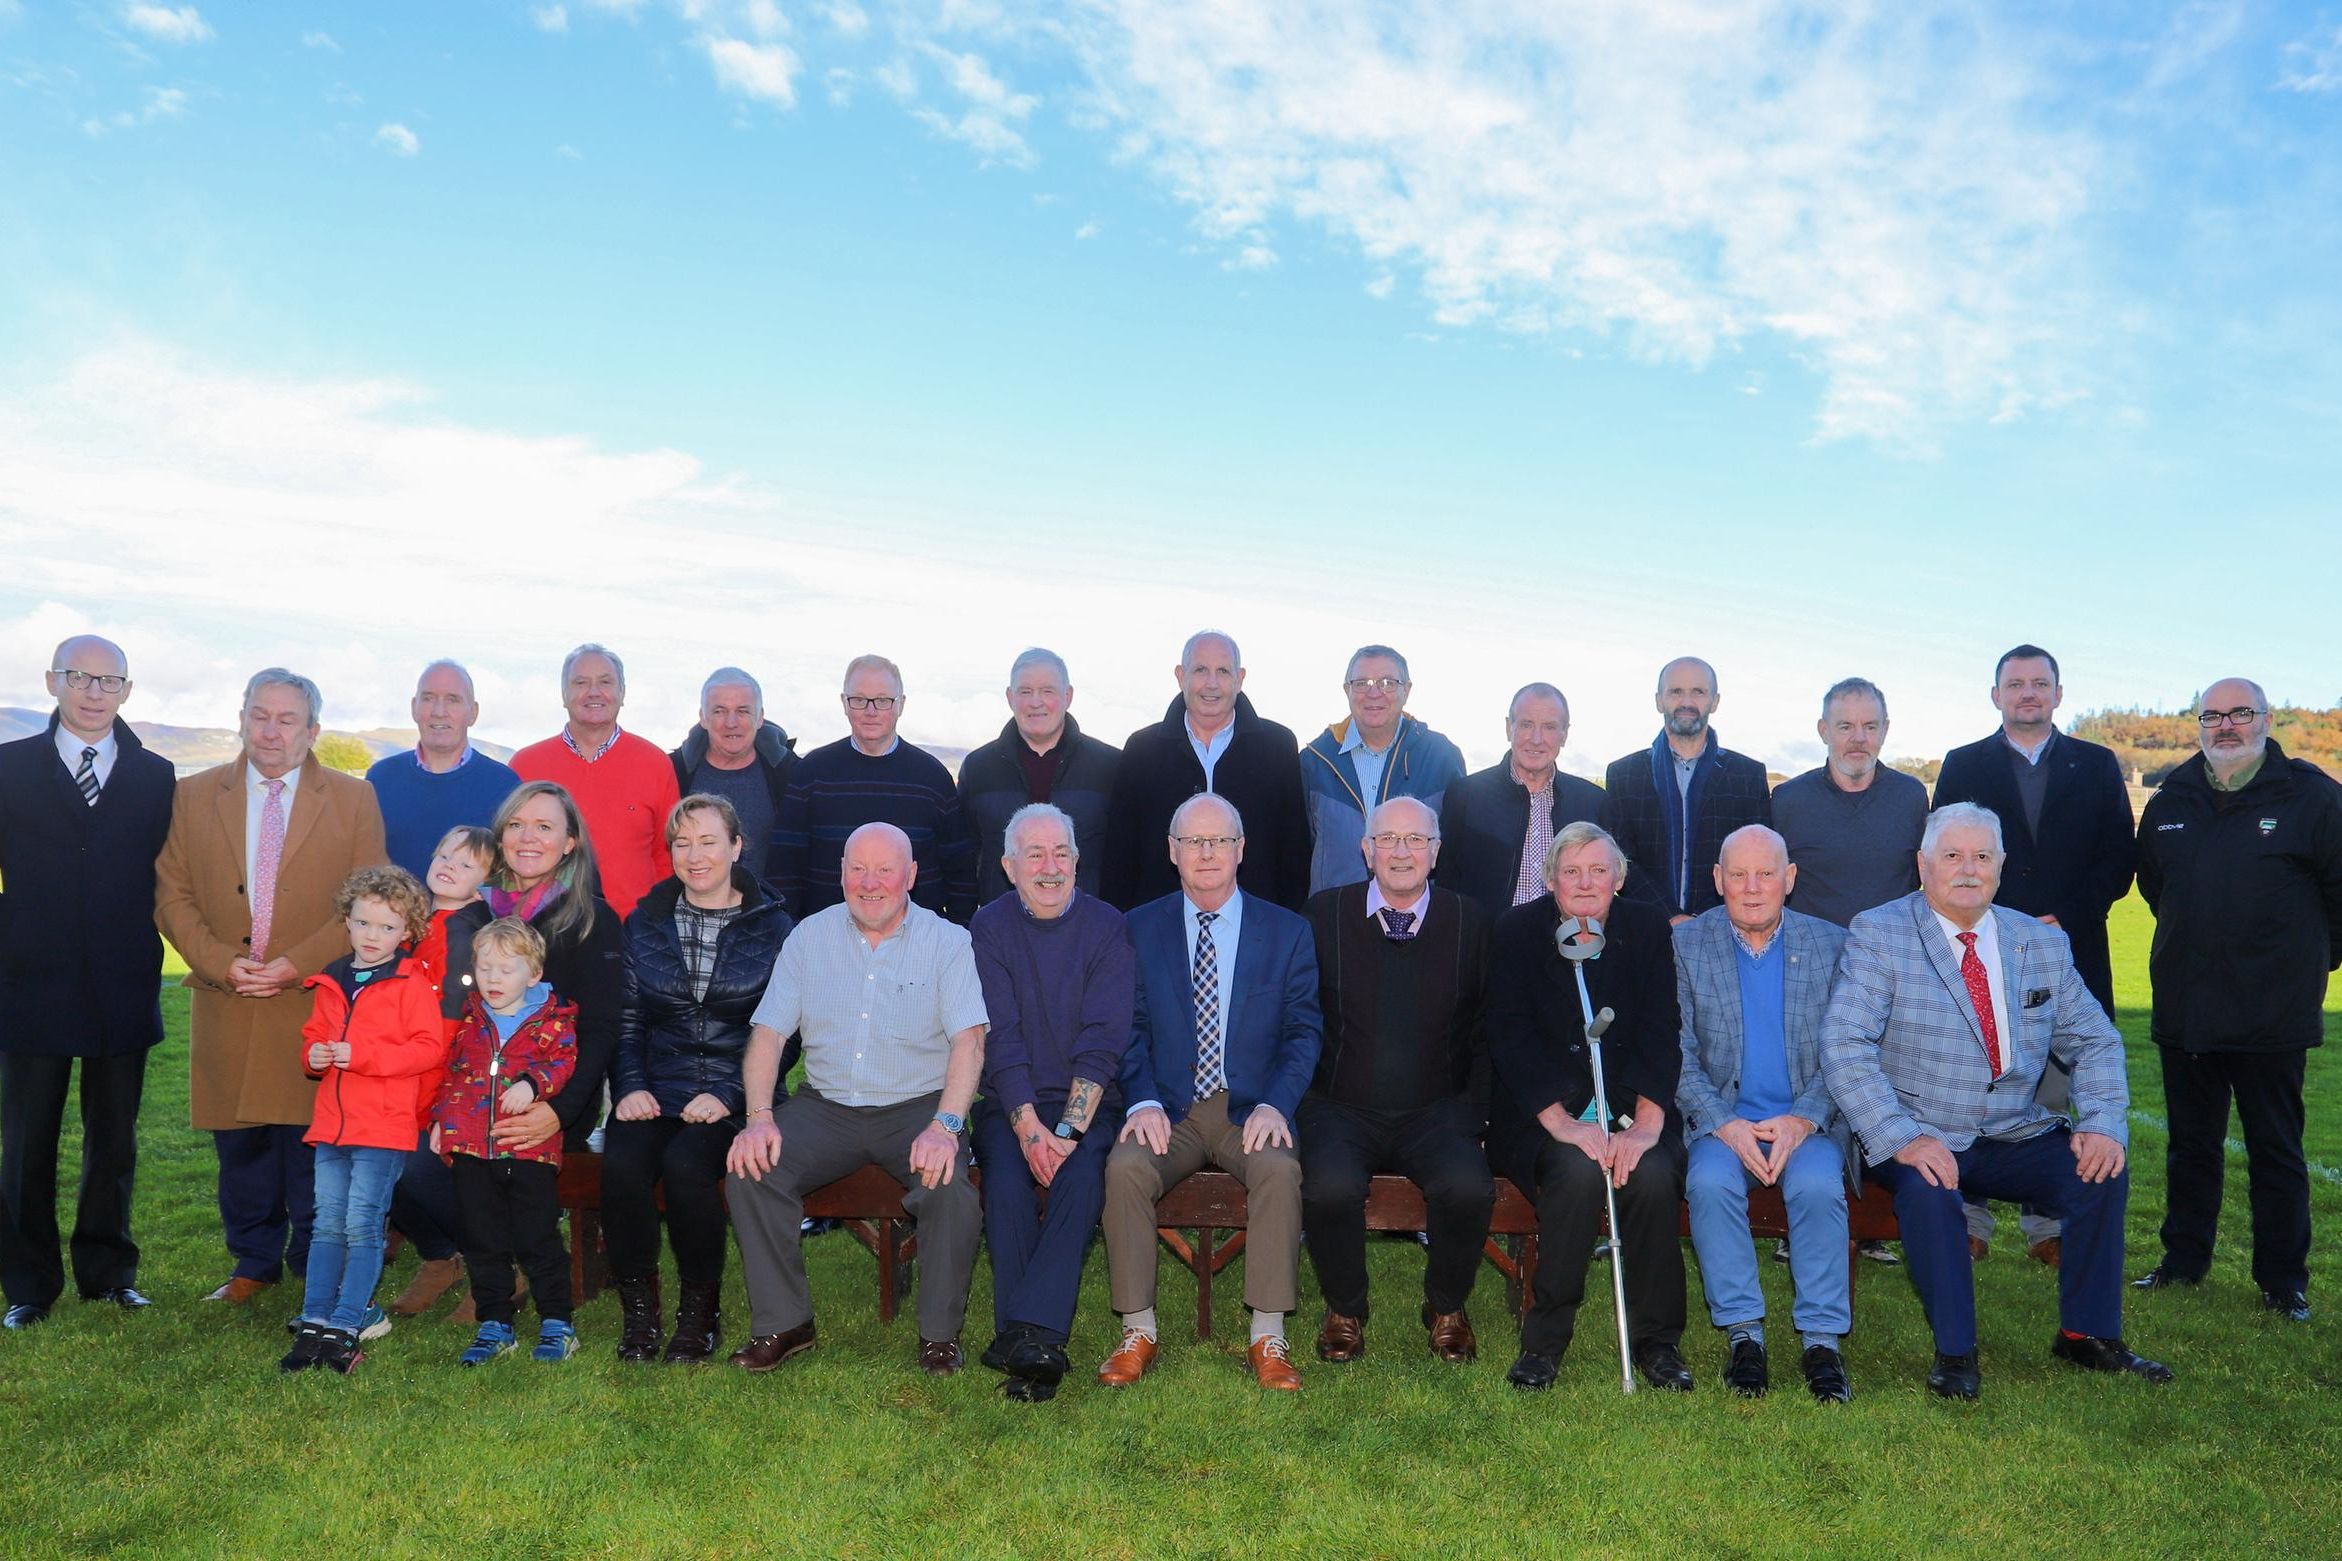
[171, 1433]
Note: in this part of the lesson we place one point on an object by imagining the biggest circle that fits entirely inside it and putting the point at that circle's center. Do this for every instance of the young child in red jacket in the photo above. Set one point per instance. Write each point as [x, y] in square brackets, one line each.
[376, 1045]
[516, 1045]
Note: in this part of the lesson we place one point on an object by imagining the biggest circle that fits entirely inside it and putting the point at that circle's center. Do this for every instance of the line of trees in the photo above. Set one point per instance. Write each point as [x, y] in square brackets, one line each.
[2153, 743]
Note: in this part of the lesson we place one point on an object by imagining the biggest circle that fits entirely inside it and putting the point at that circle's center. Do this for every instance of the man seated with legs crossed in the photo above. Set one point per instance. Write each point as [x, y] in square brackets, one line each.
[1946, 1010]
[1753, 981]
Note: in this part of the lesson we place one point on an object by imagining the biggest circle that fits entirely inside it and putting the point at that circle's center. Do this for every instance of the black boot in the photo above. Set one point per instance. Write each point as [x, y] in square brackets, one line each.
[638, 1312]
[698, 1325]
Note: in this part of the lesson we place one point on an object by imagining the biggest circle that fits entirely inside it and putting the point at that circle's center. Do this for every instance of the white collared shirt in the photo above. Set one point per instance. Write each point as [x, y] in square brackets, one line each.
[1376, 901]
[2030, 755]
[255, 798]
[70, 744]
[1987, 933]
[1209, 749]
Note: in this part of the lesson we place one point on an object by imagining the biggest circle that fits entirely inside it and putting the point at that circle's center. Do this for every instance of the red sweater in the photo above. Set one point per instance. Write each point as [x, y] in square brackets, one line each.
[398, 1050]
[625, 796]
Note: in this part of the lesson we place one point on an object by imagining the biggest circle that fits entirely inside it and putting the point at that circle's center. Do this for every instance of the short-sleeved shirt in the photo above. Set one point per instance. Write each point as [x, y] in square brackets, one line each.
[877, 1022]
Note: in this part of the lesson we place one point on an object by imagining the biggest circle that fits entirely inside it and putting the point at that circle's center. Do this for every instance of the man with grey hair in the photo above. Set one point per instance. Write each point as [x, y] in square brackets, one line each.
[1041, 755]
[1946, 1010]
[446, 782]
[622, 784]
[1210, 739]
[2240, 859]
[245, 890]
[1671, 805]
[1059, 987]
[872, 776]
[84, 809]
[1377, 753]
[735, 753]
[1852, 822]
[1497, 825]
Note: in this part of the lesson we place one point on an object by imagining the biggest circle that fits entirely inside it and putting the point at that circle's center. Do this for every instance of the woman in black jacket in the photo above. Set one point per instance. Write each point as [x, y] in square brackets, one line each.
[699, 949]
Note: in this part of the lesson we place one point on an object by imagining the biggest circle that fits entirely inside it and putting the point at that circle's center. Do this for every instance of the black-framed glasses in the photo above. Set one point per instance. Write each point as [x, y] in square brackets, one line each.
[1375, 685]
[879, 702]
[2242, 715]
[1207, 843]
[1391, 842]
[107, 682]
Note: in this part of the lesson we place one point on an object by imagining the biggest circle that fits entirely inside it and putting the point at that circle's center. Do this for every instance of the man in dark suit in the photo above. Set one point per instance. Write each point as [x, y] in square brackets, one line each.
[1670, 806]
[2066, 816]
[1224, 1040]
[1041, 755]
[1209, 740]
[84, 810]
[1495, 825]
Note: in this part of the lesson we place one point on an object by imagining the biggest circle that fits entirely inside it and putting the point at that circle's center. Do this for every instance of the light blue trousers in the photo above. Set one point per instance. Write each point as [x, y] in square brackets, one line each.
[1716, 1185]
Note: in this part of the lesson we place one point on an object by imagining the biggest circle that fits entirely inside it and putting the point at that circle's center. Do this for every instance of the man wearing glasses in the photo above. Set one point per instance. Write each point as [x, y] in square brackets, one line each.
[1379, 753]
[2240, 858]
[1402, 1082]
[2065, 817]
[871, 776]
[84, 809]
[1224, 1039]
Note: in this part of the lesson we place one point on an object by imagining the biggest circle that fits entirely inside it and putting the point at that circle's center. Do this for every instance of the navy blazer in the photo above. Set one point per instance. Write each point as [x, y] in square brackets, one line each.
[1271, 1033]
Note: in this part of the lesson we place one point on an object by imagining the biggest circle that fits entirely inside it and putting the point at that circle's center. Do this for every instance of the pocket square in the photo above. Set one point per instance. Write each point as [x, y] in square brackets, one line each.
[2036, 996]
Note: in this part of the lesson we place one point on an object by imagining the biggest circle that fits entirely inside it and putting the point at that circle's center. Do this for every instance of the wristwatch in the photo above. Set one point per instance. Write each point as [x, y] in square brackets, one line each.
[1068, 1132]
[951, 1124]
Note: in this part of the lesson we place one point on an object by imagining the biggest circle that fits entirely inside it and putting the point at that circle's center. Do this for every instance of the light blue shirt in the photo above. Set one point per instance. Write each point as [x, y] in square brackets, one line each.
[1367, 763]
[1207, 753]
[1224, 932]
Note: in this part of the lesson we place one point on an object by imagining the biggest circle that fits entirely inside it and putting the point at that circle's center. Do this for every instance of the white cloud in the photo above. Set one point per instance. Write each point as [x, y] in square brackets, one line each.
[1090, 229]
[551, 18]
[849, 19]
[161, 103]
[565, 150]
[759, 70]
[398, 140]
[765, 19]
[168, 24]
[1252, 257]
[1381, 286]
[2313, 63]
[2196, 34]
[992, 112]
[320, 41]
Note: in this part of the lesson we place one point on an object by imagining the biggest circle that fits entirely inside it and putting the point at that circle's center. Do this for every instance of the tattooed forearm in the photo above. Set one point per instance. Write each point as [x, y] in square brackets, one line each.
[1081, 1103]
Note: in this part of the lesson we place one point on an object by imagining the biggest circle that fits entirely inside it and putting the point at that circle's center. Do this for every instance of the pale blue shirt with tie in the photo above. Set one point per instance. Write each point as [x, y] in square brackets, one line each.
[1225, 927]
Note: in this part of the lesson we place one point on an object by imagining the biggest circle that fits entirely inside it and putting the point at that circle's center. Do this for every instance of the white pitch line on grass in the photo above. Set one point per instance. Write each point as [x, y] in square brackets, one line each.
[2235, 1147]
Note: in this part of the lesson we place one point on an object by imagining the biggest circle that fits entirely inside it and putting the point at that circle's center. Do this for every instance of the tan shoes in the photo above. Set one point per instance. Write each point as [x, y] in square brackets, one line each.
[1451, 1335]
[1272, 1365]
[433, 1279]
[1132, 1359]
[239, 1290]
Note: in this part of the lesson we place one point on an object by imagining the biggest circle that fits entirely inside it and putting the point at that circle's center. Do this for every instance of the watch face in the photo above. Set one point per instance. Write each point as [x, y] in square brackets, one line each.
[1063, 1131]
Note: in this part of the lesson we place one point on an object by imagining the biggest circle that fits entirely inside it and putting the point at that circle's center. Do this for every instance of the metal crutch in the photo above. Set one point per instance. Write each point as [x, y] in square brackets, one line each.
[1580, 939]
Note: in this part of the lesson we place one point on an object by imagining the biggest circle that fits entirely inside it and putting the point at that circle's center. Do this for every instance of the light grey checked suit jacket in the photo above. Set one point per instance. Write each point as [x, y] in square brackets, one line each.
[1904, 1054]
[1707, 989]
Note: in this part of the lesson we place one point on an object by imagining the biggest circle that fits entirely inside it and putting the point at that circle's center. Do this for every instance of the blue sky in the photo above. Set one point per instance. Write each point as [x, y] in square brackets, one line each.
[1813, 339]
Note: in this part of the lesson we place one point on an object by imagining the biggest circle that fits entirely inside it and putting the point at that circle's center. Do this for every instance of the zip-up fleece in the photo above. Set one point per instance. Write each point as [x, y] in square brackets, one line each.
[398, 1044]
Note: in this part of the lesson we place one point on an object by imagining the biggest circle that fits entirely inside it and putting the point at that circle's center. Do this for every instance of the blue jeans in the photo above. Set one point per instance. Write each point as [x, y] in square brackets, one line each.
[1813, 1185]
[345, 1244]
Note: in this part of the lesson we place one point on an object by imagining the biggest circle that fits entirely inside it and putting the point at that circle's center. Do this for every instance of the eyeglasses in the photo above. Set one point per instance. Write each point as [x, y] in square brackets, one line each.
[1206, 843]
[1375, 685]
[879, 702]
[1411, 842]
[107, 682]
[2242, 715]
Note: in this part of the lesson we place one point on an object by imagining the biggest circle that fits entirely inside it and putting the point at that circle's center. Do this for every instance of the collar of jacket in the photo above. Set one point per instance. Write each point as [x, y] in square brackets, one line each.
[124, 738]
[340, 971]
[1326, 748]
[1660, 752]
[1065, 739]
[772, 746]
[664, 896]
[1176, 717]
[2194, 774]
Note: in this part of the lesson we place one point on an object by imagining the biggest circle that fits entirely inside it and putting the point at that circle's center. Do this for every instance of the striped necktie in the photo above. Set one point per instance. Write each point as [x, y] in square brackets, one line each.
[87, 776]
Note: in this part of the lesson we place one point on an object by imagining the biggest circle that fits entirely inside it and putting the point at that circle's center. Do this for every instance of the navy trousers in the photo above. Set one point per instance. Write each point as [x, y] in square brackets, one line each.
[268, 1198]
[1037, 1255]
[2037, 1172]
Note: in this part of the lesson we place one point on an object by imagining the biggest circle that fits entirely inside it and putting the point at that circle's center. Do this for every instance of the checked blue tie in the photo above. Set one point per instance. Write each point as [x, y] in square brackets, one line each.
[1211, 1073]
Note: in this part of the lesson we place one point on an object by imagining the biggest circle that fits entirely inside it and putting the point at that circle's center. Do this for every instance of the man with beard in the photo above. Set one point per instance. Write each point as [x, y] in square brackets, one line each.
[1671, 805]
[1851, 824]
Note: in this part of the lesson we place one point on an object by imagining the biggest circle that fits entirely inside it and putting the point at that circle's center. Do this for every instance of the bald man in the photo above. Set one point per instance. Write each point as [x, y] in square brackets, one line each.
[1671, 805]
[84, 810]
[886, 996]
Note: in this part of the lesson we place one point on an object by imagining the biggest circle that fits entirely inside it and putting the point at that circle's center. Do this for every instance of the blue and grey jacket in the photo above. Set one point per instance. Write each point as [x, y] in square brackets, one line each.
[1420, 764]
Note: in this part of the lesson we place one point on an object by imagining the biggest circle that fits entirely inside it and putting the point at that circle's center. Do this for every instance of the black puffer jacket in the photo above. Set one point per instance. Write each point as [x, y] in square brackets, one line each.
[677, 1046]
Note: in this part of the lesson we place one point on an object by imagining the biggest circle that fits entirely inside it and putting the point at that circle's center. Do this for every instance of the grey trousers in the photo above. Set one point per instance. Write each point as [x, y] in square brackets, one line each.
[1136, 1177]
[820, 1142]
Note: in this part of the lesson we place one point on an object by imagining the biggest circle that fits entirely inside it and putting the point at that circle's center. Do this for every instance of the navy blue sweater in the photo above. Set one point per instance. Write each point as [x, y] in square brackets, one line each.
[1059, 993]
[835, 790]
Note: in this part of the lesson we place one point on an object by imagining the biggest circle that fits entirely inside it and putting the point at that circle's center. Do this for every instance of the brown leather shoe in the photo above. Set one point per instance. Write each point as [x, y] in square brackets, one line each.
[1132, 1359]
[1451, 1334]
[2049, 1251]
[1978, 1251]
[434, 1277]
[1272, 1365]
[239, 1290]
[940, 1357]
[1341, 1338]
[768, 1350]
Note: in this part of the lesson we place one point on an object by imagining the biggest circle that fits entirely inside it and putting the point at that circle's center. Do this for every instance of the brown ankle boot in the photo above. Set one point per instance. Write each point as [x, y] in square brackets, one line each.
[433, 1279]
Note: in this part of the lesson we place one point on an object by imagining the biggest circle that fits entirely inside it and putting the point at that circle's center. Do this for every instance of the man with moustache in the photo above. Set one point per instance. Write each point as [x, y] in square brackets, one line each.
[2240, 859]
[1496, 825]
[2066, 814]
[736, 754]
[1354, 766]
[445, 782]
[1946, 1010]
[1671, 805]
[623, 785]
[244, 889]
[1851, 823]
[1041, 755]
[84, 809]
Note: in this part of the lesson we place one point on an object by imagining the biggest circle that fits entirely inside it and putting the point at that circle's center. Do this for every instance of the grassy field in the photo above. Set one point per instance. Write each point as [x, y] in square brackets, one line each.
[171, 1433]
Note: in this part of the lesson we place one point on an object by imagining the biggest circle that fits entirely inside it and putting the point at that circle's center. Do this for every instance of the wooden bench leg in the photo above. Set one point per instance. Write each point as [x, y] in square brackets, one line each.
[589, 1265]
[1203, 1267]
[887, 1253]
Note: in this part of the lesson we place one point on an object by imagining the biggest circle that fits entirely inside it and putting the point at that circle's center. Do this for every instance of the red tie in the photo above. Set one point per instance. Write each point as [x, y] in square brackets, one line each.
[1980, 995]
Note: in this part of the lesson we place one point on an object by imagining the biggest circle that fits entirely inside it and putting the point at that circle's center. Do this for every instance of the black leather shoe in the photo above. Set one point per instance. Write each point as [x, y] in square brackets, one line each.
[1003, 1345]
[1825, 1375]
[1746, 1373]
[939, 1357]
[1955, 1376]
[24, 1316]
[2293, 1303]
[767, 1350]
[1662, 1366]
[2107, 1355]
[1038, 1364]
[2160, 1277]
[1531, 1371]
[124, 1296]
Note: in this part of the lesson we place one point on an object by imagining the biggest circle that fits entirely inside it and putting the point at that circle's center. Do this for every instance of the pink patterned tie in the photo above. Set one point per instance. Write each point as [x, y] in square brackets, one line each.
[264, 865]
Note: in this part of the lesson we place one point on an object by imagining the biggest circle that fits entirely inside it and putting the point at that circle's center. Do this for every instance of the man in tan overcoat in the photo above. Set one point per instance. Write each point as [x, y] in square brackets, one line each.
[245, 891]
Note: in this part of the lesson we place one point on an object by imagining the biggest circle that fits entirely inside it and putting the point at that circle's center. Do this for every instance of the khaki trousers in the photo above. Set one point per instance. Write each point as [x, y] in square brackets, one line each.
[1136, 1177]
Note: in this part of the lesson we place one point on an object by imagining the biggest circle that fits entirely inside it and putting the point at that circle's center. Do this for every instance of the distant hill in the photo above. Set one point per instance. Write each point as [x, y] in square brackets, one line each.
[200, 747]
[2152, 743]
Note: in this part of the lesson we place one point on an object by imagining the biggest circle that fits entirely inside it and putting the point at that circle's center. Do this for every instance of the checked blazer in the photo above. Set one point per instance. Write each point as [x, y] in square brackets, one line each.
[1707, 990]
[1904, 1054]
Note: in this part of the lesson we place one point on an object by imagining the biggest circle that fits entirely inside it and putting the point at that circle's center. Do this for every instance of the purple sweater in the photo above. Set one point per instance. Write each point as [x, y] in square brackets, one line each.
[1060, 994]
